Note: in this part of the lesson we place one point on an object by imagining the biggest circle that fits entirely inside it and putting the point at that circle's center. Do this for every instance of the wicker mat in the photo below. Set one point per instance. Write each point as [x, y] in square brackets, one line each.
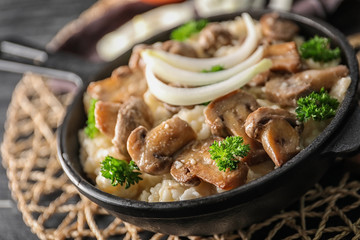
[53, 209]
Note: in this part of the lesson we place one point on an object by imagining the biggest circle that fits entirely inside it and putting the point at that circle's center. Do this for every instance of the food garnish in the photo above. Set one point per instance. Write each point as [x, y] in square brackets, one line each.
[318, 48]
[215, 68]
[197, 95]
[225, 153]
[169, 73]
[318, 106]
[227, 61]
[90, 129]
[120, 172]
[186, 30]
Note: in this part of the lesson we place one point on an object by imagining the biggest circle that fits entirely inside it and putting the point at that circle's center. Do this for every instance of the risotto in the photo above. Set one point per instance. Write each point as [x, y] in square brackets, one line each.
[217, 106]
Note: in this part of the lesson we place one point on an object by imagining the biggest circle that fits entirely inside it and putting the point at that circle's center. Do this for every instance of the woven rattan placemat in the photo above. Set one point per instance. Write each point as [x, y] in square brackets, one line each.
[53, 209]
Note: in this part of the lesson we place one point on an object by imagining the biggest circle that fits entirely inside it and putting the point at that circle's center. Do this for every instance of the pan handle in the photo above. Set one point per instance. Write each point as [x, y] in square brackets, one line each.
[20, 56]
[347, 142]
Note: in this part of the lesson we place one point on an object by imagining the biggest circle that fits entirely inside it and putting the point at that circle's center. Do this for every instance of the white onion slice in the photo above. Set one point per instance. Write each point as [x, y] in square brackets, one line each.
[198, 95]
[171, 74]
[227, 61]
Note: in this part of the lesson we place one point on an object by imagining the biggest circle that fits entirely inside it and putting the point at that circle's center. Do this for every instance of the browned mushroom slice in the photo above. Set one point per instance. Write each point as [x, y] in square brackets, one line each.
[275, 28]
[182, 174]
[153, 150]
[284, 57]
[226, 113]
[214, 36]
[287, 91]
[196, 158]
[226, 116]
[257, 120]
[280, 140]
[105, 117]
[132, 113]
[123, 83]
[277, 130]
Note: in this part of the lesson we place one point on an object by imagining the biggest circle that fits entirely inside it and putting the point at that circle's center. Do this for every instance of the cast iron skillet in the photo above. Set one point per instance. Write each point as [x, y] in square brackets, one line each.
[244, 205]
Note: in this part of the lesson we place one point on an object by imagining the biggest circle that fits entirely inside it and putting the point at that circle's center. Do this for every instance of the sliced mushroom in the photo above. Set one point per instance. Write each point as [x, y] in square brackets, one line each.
[153, 150]
[280, 140]
[132, 113]
[197, 160]
[105, 117]
[123, 83]
[257, 120]
[275, 28]
[226, 116]
[181, 173]
[286, 91]
[284, 57]
[278, 132]
[226, 113]
[214, 36]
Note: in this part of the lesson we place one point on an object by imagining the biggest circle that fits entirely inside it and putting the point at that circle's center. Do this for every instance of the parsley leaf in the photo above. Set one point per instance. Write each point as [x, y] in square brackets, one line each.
[91, 129]
[120, 172]
[318, 48]
[225, 152]
[186, 30]
[317, 105]
[215, 68]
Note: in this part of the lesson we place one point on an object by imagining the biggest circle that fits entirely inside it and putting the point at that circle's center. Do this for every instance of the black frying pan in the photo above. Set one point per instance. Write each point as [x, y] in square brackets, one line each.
[236, 208]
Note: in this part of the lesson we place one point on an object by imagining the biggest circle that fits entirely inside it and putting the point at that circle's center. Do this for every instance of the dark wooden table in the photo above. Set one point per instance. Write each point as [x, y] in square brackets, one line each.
[39, 21]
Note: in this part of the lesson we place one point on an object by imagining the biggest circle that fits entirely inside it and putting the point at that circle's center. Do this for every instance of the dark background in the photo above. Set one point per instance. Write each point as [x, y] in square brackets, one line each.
[39, 21]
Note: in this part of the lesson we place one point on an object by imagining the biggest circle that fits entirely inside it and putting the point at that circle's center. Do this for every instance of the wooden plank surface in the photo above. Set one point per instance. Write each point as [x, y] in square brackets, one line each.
[37, 21]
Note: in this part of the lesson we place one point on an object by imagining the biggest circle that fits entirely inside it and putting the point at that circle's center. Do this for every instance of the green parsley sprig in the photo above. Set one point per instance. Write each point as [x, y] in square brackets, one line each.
[186, 30]
[317, 106]
[120, 172]
[318, 48]
[90, 128]
[215, 68]
[225, 153]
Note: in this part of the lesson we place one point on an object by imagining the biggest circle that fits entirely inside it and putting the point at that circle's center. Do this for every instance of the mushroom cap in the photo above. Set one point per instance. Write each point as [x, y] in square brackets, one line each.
[280, 140]
[277, 130]
[224, 115]
[257, 120]
[132, 113]
[153, 150]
